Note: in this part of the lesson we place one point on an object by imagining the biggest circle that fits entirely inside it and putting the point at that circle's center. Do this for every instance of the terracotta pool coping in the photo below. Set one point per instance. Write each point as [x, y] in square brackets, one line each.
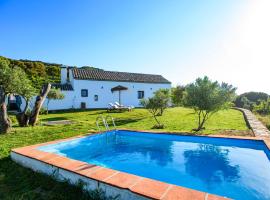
[146, 187]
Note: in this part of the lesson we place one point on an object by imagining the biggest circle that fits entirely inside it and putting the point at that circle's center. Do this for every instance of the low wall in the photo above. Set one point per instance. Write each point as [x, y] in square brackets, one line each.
[254, 124]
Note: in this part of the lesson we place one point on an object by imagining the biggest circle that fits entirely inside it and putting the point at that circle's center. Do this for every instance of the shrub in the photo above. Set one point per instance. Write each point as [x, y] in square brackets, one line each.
[43, 111]
[177, 95]
[263, 107]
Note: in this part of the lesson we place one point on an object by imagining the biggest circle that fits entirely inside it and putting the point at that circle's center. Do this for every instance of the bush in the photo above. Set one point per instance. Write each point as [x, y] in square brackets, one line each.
[177, 95]
[43, 111]
[263, 107]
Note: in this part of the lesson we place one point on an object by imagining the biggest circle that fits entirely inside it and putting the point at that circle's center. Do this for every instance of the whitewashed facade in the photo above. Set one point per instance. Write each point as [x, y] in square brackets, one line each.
[99, 92]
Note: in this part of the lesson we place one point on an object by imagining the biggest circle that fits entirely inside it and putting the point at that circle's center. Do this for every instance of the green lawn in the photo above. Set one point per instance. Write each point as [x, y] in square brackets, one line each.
[19, 183]
[265, 119]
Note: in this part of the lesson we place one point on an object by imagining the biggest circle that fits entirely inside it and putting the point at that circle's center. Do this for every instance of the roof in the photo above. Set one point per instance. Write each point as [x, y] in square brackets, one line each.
[101, 75]
[63, 87]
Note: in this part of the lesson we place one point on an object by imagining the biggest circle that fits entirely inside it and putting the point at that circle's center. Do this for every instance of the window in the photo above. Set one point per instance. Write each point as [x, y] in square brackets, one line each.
[83, 105]
[96, 98]
[140, 94]
[84, 93]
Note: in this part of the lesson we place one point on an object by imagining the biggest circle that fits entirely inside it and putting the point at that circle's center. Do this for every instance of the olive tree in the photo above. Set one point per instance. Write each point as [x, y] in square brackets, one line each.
[162, 97]
[12, 81]
[54, 94]
[178, 95]
[157, 104]
[207, 97]
[153, 106]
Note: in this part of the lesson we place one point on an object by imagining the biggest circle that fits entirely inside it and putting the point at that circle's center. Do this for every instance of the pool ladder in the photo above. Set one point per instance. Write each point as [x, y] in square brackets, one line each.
[105, 122]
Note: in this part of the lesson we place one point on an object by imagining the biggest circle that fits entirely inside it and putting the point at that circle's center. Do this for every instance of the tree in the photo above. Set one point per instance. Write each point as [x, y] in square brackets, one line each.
[54, 94]
[207, 97]
[162, 96]
[12, 81]
[38, 104]
[246, 103]
[153, 106]
[38, 72]
[26, 91]
[157, 104]
[252, 97]
[177, 95]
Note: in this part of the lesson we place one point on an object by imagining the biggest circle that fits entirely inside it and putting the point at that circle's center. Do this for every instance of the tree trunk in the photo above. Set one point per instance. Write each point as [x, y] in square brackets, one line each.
[22, 117]
[38, 104]
[5, 123]
[156, 119]
[160, 113]
[202, 119]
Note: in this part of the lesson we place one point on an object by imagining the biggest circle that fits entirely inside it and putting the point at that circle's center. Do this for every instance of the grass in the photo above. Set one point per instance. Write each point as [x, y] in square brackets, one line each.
[17, 182]
[265, 119]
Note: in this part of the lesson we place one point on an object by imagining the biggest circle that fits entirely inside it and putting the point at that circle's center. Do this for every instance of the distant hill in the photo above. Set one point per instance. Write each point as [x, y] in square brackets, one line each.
[40, 72]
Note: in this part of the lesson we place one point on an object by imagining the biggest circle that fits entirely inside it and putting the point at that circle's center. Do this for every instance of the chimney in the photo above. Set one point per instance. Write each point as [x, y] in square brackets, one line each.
[64, 74]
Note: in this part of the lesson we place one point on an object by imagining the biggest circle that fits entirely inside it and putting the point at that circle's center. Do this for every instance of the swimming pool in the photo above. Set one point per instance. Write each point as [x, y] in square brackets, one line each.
[235, 168]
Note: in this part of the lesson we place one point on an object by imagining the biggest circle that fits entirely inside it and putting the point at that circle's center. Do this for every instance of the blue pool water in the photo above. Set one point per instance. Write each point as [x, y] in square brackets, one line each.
[235, 168]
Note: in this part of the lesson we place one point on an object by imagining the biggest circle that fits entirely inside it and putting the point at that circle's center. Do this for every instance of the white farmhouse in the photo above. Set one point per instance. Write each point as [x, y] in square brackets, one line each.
[93, 88]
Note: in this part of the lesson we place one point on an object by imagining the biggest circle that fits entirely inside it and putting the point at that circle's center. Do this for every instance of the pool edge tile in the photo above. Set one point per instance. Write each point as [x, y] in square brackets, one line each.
[178, 192]
[122, 180]
[101, 174]
[150, 188]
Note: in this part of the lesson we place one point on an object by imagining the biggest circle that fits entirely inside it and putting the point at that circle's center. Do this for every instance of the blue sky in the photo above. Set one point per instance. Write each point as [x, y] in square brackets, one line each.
[227, 40]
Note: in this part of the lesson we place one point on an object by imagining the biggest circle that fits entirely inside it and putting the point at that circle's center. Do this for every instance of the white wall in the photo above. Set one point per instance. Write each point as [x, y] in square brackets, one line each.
[105, 96]
[129, 97]
[66, 103]
[73, 98]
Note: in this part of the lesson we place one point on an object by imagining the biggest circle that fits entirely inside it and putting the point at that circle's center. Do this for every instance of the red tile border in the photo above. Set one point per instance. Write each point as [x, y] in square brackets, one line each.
[150, 188]
[101, 174]
[143, 186]
[123, 180]
[177, 192]
[86, 169]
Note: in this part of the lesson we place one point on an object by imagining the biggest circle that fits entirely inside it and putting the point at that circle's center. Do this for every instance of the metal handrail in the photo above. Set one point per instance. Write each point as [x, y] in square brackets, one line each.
[104, 122]
[106, 119]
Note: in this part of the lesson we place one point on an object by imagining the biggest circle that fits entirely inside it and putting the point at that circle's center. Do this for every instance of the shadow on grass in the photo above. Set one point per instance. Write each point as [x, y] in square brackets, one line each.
[120, 122]
[54, 119]
[17, 182]
[76, 110]
[99, 112]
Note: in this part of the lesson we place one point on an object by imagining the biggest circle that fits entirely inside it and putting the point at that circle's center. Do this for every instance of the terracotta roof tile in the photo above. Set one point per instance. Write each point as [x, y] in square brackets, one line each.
[101, 75]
